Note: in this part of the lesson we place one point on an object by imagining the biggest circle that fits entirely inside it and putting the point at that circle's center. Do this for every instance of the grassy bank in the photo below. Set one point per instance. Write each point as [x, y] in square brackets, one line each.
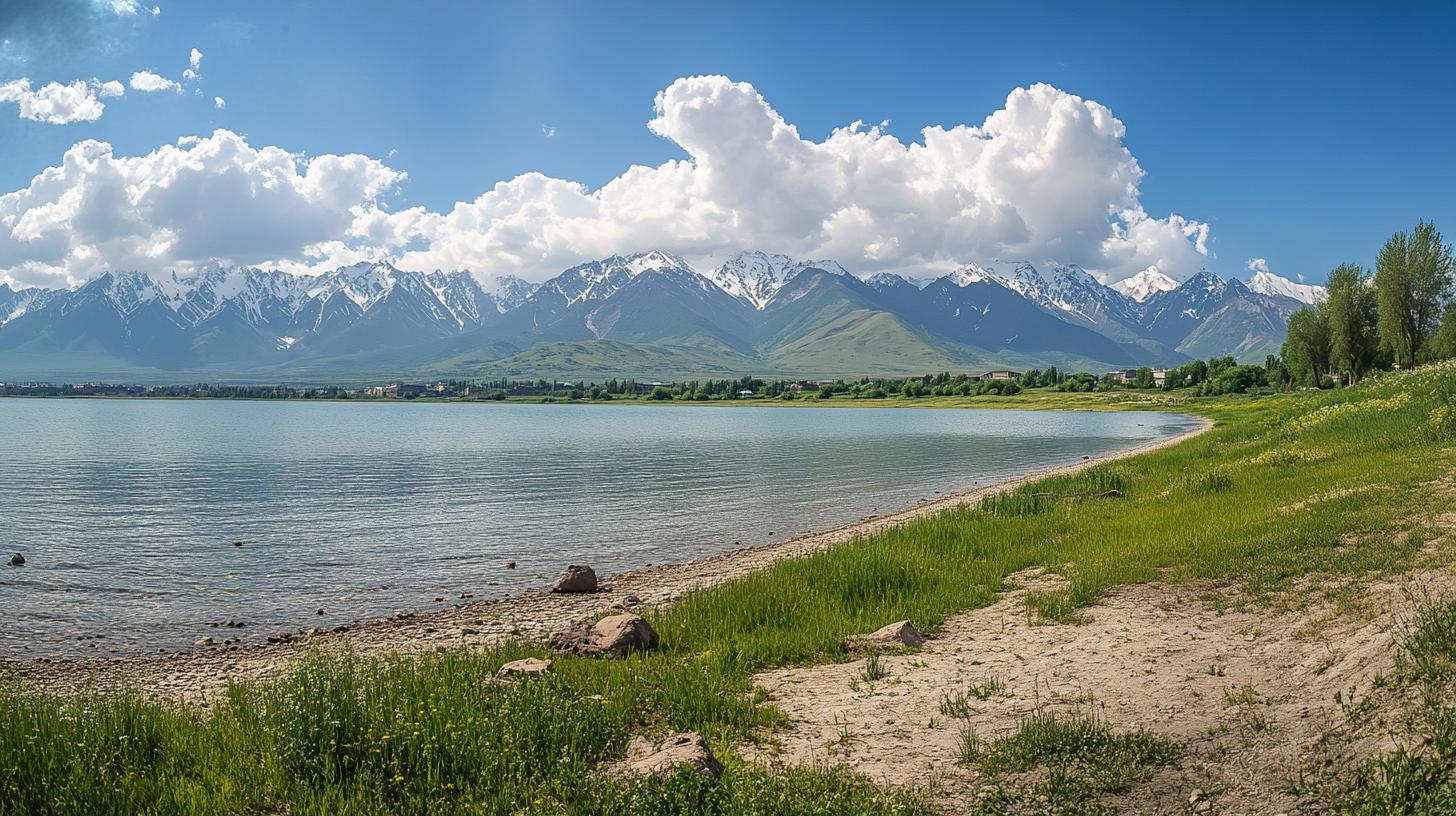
[1328, 484]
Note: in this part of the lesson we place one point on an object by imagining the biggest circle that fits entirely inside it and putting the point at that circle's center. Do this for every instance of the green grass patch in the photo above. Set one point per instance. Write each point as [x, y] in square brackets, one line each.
[1063, 763]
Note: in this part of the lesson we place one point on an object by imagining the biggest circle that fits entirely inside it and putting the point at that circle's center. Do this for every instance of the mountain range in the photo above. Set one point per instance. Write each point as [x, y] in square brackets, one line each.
[644, 315]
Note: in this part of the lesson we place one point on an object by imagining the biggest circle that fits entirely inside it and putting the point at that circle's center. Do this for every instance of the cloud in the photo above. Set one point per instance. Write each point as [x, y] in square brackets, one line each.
[55, 103]
[148, 82]
[108, 88]
[194, 66]
[548, 131]
[213, 197]
[1046, 176]
[219, 103]
[1258, 265]
[131, 8]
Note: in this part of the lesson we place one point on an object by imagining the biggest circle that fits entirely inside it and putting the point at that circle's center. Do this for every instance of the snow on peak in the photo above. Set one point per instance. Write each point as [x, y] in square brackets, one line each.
[364, 283]
[887, 280]
[756, 276]
[972, 273]
[753, 276]
[1145, 284]
[1267, 283]
[510, 291]
[599, 280]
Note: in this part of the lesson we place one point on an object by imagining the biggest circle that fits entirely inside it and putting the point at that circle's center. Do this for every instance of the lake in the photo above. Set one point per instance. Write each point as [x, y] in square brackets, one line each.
[126, 510]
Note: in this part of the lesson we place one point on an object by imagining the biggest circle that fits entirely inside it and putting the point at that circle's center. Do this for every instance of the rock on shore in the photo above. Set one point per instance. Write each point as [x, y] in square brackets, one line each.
[898, 635]
[576, 578]
[613, 636]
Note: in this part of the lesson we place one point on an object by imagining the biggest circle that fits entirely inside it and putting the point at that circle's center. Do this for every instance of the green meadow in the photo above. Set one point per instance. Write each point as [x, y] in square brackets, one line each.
[1287, 494]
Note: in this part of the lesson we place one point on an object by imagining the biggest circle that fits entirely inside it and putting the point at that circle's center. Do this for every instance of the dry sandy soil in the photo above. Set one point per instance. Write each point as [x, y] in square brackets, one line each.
[197, 675]
[1250, 692]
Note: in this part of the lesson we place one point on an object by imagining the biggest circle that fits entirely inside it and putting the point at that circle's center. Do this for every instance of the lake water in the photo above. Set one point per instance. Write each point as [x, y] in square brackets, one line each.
[126, 510]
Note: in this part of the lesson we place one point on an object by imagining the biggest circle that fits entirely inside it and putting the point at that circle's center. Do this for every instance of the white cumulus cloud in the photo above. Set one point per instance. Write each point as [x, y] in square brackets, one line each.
[54, 103]
[1257, 265]
[108, 88]
[213, 197]
[149, 82]
[219, 103]
[194, 66]
[1046, 176]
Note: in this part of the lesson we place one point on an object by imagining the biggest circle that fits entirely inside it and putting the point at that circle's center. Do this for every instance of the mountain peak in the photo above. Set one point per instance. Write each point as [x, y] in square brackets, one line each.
[755, 276]
[1145, 284]
[1268, 283]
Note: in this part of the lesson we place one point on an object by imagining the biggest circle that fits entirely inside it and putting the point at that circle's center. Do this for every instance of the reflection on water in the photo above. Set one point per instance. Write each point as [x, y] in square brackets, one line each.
[126, 510]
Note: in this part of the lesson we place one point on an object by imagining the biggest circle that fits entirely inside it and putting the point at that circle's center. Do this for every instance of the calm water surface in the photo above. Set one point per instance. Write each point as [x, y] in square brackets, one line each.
[126, 509]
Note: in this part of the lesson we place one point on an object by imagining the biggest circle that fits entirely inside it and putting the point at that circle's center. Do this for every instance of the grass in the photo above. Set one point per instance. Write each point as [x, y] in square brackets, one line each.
[1257, 501]
[1065, 762]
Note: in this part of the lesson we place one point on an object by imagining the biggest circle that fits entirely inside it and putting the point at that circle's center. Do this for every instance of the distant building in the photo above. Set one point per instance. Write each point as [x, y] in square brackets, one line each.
[744, 393]
[999, 375]
[404, 389]
[646, 387]
[1126, 376]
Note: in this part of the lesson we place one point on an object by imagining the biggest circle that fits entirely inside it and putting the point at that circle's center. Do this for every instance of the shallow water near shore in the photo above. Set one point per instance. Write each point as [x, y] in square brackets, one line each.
[127, 510]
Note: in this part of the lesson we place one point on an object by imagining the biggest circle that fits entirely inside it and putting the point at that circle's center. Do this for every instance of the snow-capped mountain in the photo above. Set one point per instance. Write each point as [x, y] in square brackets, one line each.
[16, 302]
[1064, 287]
[599, 280]
[756, 313]
[1267, 283]
[755, 277]
[1145, 284]
[510, 291]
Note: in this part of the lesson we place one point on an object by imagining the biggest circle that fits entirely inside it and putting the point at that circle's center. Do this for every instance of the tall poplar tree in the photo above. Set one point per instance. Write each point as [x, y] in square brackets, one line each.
[1413, 278]
[1350, 310]
[1307, 346]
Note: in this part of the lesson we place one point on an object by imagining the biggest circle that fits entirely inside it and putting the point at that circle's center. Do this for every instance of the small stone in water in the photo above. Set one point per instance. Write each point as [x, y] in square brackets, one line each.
[510, 565]
[319, 611]
[17, 560]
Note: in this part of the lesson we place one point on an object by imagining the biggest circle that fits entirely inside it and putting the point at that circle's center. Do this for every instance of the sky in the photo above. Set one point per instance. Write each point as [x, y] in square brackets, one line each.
[524, 138]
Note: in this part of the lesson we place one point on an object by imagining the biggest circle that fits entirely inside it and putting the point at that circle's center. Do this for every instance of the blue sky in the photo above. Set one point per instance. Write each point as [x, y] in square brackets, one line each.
[1299, 133]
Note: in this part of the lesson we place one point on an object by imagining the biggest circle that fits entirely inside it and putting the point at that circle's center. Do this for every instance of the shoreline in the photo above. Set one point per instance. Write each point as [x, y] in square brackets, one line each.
[198, 674]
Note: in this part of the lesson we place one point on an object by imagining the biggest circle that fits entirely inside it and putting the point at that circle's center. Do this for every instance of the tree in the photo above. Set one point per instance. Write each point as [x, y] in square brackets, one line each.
[1350, 309]
[1306, 347]
[1443, 342]
[1143, 378]
[1413, 278]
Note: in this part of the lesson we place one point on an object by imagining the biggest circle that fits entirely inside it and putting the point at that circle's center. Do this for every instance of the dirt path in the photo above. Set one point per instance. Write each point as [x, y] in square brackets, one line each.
[197, 675]
[1250, 693]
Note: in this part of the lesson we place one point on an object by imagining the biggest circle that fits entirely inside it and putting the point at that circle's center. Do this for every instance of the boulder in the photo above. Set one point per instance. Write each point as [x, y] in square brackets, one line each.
[526, 666]
[613, 636]
[576, 578]
[897, 635]
[17, 560]
[678, 750]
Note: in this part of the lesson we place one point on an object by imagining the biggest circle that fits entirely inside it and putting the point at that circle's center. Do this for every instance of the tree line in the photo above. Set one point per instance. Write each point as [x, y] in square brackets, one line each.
[1398, 316]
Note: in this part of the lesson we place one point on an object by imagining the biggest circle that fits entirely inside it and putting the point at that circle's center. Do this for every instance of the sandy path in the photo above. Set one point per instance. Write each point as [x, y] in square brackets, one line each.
[1251, 693]
[196, 675]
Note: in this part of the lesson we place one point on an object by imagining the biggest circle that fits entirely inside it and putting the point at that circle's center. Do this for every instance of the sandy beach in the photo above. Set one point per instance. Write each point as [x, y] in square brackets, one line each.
[196, 675]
